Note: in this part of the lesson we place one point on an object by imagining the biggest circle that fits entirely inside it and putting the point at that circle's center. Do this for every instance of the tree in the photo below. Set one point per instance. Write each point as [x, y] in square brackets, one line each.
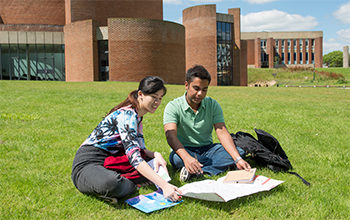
[333, 59]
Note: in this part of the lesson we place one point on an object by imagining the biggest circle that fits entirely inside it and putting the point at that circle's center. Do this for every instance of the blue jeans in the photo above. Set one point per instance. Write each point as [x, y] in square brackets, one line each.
[214, 158]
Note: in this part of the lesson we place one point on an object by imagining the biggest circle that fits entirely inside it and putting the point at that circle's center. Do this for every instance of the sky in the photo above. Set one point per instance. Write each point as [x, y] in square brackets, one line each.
[330, 16]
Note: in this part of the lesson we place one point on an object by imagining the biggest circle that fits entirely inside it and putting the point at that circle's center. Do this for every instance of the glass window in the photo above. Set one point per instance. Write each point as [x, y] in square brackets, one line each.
[104, 60]
[224, 59]
[5, 62]
[59, 62]
[32, 62]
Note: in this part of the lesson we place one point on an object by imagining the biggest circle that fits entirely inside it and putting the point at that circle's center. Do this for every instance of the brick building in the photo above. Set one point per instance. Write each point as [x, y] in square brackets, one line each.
[89, 40]
[118, 40]
[284, 49]
[214, 41]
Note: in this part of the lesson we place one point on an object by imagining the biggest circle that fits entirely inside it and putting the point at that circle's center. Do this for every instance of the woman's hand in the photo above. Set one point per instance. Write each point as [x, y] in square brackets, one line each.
[159, 161]
[172, 193]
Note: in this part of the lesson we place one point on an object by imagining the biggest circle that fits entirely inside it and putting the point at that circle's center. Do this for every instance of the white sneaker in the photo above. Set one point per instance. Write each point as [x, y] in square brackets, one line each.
[185, 175]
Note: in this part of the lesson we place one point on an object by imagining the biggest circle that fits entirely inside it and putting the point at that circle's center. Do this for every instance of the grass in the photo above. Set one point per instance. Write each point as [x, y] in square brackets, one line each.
[302, 77]
[42, 124]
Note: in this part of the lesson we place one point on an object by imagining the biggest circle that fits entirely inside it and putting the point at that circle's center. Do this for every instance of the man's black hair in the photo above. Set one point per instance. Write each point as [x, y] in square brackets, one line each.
[197, 71]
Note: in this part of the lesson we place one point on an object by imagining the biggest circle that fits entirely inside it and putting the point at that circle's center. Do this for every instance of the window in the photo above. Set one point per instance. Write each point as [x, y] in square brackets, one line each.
[224, 51]
[32, 62]
[301, 58]
[276, 43]
[103, 60]
[288, 57]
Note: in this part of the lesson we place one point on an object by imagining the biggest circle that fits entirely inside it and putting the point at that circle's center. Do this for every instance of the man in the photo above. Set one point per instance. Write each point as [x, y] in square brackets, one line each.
[188, 124]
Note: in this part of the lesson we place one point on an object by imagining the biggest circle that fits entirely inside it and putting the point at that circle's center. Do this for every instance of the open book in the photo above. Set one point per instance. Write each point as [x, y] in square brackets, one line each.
[240, 176]
[218, 191]
[151, 202]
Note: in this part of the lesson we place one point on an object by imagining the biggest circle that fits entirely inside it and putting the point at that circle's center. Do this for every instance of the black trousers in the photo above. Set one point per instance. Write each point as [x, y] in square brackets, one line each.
[90, 177]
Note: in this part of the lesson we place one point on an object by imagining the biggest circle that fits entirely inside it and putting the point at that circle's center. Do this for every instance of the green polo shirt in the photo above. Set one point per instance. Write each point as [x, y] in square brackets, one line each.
[193, 129]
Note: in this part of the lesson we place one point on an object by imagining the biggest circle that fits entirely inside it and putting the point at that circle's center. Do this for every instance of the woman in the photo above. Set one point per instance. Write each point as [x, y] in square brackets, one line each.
[112, 159]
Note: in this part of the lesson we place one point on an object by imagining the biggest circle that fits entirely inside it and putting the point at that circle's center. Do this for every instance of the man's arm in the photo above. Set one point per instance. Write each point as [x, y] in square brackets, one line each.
[227, 142]
[191, 164]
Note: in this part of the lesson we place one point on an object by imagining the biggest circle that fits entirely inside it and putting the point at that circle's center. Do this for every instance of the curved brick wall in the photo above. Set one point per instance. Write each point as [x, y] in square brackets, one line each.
[143, 47]
[200, 24]
[81, 51]
[101, 10]
[50, 12]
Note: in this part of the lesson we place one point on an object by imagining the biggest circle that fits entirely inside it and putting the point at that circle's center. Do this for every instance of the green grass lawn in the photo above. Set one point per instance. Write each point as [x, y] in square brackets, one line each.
[42, 124]
[285, 77]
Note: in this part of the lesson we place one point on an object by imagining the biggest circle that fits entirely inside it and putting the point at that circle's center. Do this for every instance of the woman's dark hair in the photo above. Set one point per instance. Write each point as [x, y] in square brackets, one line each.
[197, 71]
[148, 85]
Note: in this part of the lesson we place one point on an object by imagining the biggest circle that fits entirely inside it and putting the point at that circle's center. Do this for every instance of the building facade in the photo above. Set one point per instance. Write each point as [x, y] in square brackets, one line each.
[118, 40]
[89, 40]
[214, 41]
[284, 49]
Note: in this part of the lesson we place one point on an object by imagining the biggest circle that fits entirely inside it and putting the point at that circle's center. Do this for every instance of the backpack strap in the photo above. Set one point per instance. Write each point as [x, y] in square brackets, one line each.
[302, 179]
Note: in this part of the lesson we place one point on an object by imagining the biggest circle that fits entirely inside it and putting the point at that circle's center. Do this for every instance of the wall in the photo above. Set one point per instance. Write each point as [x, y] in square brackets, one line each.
[101, 10]
[49, 12]
[200, 24]
[142, 47]
[81, 52]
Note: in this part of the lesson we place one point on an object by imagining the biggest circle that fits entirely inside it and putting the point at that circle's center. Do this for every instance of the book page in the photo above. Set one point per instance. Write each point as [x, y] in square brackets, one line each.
[212, 190]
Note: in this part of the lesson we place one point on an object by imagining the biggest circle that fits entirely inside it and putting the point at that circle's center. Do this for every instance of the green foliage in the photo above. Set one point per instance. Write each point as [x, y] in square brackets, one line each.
[333, 59]
[42, 124]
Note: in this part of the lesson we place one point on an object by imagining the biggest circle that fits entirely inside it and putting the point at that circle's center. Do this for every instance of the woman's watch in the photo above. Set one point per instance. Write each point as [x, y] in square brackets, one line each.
[238, 159]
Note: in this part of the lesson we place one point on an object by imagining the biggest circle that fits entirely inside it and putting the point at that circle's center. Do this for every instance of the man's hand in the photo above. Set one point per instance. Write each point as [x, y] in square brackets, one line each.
[193, 166]
[243, 165]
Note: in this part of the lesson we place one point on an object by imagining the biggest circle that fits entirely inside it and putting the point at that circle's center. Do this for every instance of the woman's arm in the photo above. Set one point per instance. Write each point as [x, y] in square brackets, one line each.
[169, 191]
[158, 158]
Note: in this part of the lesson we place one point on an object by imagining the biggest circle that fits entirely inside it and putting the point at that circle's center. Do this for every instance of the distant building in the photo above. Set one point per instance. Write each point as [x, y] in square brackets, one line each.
[118, 40]
[284, 49]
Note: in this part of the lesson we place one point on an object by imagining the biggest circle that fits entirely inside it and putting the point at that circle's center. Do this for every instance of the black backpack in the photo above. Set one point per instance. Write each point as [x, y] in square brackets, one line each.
[265, 151]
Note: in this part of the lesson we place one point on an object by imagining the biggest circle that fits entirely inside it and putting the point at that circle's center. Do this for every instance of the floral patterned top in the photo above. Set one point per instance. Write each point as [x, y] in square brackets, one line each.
[120, 129]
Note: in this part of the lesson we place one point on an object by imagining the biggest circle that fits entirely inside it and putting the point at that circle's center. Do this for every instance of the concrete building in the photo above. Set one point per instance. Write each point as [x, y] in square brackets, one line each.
[284, 49]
